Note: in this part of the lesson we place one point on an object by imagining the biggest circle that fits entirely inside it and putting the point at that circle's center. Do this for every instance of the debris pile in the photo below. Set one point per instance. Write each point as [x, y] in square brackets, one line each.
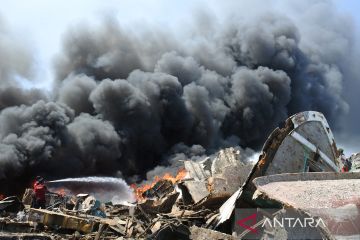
[169, 207]
[201, 201]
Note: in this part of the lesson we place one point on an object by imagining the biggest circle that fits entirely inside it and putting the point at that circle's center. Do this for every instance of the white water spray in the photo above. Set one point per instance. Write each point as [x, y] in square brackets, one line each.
[104, 189]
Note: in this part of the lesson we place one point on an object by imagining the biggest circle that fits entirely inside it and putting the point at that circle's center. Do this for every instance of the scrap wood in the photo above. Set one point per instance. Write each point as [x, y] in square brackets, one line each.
[102, 227]
[135, 227]
[139, 228]
[211, 220]
[128, 224]
[171, 230]
[130, 231]
[153, 207]
[118, 210]
[119, 229]
[150, 227]
[120, 221]
[116, 225]
[55, 220]
[144, 213]
[23, 236]
[177, 213]
[156, 227]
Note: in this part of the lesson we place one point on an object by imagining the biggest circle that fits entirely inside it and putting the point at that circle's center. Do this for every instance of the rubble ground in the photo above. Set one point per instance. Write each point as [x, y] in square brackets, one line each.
[171, 208]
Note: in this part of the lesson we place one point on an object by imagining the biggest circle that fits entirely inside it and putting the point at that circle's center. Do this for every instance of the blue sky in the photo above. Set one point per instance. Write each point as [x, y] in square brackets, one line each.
[350, 6]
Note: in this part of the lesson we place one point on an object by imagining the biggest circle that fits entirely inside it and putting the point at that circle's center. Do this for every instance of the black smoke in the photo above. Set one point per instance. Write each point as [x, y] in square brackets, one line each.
[127, 101]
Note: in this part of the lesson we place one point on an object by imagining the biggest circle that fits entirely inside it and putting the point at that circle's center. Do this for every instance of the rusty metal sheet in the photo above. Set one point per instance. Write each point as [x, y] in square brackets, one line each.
[334, 197]
[164, 205]
[231, 178]
[15, 227]
[305, 143]
[60, 220]
[311, 190]
[197, 190]
[196, 170]
[160, 189]
[225, 157]
[310, 139]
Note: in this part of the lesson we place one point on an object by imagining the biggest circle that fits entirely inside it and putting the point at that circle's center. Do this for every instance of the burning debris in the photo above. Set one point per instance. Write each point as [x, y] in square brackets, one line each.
[159, 186]
[199, 201]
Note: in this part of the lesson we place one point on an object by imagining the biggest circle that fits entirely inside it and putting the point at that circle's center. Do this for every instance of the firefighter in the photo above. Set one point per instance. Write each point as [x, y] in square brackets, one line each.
[39, 193]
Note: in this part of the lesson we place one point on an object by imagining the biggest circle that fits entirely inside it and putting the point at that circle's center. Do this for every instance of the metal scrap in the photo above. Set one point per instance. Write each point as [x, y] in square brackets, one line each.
[333, 197]
[201, 204]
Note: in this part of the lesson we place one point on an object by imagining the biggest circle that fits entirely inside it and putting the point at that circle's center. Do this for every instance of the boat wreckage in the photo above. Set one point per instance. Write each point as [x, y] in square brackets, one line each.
[295, 190]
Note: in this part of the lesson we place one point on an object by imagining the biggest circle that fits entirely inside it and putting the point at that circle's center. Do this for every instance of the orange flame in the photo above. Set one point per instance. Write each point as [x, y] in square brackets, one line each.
[139, 190]
[61, 192]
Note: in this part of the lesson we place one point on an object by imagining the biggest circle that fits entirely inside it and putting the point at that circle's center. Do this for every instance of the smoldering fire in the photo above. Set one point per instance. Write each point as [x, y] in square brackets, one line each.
[124, 102]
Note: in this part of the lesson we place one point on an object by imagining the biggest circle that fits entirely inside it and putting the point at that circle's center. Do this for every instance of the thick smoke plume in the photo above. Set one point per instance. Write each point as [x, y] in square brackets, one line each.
[127, 101]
